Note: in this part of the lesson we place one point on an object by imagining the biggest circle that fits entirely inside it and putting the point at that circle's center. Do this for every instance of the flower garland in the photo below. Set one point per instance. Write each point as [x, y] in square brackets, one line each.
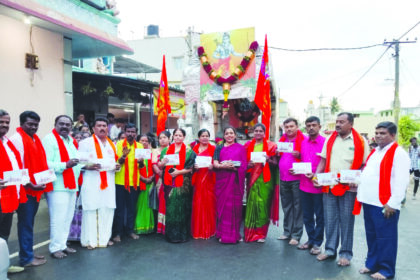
[233, 78]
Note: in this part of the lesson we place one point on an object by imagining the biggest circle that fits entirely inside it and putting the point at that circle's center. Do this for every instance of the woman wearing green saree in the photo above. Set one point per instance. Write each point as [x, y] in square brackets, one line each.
[145, 221]
[177, 188]
[262, 188]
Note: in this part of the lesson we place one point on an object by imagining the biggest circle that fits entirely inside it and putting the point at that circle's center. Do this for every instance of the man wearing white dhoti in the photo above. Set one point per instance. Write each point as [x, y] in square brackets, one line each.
[98, 188]
[61, 151]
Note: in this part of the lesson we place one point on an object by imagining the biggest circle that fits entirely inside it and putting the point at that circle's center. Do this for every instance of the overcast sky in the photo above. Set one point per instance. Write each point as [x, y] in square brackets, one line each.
[304, 76]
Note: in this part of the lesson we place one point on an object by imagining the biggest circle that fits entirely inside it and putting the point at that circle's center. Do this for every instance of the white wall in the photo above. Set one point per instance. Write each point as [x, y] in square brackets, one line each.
[46, 97]
[150, 51]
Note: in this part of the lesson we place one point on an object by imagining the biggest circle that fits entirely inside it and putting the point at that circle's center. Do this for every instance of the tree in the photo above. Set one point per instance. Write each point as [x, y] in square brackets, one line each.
[335, 107]
[407, 128]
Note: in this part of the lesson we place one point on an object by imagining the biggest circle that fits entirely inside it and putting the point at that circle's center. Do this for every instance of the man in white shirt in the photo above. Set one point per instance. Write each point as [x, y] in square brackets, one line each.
[384, 181]
[10, 195]
[98, 188]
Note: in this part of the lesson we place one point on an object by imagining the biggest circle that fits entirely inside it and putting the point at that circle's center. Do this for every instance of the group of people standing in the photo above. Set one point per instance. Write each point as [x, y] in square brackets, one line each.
[181, 190]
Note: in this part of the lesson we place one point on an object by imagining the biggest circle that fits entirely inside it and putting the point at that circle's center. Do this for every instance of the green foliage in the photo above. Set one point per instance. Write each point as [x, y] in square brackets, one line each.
[407, 128]
[109, 90]
[87, 89]
[335, 107]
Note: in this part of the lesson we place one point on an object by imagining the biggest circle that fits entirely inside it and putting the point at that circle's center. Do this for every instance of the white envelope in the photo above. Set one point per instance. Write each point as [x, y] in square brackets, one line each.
[86, 157]
[106, 164]
[327, 179]
[173, 159]
[258, 157]
[285, 147]
[45, 177]
[143, 153]
[350, 176]
[302, 167]
[16, 177]
[203, 161]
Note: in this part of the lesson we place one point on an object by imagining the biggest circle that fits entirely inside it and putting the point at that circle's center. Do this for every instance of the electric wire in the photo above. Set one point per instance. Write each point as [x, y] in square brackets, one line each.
[326, 49]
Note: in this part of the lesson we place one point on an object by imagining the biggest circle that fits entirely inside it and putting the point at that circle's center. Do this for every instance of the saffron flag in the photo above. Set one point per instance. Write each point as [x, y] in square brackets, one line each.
[262, 94]
[163, 106]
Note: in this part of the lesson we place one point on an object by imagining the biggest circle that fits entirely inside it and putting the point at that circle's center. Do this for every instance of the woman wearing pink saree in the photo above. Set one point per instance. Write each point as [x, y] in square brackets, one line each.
[230, 165]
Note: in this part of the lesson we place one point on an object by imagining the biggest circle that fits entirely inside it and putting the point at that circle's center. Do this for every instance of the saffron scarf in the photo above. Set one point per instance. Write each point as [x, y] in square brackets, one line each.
[179, 180]
[298, 142]
[359, 148]
[266, 169]
[35, 161]
[384, 178]
[127, 171]
[146, 172]
[104, 180]
[9, 198]
[68, 174]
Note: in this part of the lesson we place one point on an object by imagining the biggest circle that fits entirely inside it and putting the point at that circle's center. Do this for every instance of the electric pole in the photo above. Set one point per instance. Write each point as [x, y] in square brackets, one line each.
[396, 103]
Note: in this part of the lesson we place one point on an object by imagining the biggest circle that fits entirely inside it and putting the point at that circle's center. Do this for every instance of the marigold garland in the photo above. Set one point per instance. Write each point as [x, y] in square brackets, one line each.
[233, 78]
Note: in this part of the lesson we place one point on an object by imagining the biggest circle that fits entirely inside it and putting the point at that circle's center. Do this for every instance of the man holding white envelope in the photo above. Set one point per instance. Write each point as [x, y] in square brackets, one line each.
[289, 183]
[34, 159]
[345, 149]
[61, 150]
[127, 182]
[383, 184]
[98, 188]
[310, 196]
[10, 195]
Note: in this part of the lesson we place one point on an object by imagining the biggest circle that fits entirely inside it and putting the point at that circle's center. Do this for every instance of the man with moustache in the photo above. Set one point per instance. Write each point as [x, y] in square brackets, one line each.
[345, 149]
[127, 184]
[289, 184]
[384, 181]
[10, 196]
[311, 196]
[34, 159]
[98, 188]
[61, 150]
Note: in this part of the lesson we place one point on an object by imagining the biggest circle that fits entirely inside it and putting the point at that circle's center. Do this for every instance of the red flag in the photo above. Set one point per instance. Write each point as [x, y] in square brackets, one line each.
[163, 106]
[262, 95]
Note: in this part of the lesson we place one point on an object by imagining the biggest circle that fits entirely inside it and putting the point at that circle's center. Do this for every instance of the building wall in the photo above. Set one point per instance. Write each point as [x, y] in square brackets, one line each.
[46, 96]
[151, 50]
[367, 123]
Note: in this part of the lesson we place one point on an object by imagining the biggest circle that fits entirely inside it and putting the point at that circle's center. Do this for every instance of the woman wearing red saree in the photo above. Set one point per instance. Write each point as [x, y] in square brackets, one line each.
[164, 137]
[260, 188]
[203, 220]
[230, 166]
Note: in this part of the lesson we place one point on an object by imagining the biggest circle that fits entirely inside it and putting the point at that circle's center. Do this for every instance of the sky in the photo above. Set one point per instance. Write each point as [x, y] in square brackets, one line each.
[306, 24]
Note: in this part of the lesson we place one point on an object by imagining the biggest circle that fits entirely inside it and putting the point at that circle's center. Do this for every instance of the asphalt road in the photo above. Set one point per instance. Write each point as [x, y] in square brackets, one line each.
[151, 257]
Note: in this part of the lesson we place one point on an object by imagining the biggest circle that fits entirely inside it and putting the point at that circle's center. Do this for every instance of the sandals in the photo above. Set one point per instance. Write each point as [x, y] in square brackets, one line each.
[304, 246]
[59, 255]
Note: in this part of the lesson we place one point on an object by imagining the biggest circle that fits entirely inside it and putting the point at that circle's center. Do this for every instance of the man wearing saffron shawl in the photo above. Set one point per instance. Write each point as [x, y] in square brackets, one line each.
[98, 189]
[10, 195]
[127, 185]
[345, 149]
[384, 181]
[260, 187]
[34, 159]
[230, 165]
[61, 150]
